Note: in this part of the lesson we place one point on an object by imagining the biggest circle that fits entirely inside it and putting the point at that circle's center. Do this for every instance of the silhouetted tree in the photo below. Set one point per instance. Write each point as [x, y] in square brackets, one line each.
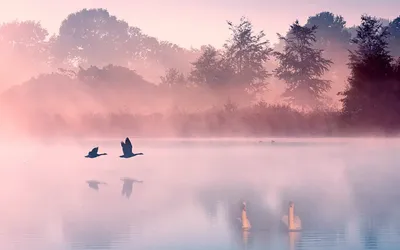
[173, 78]
[331, 30]
[24, 48]
[67, 72]
[94, 37]
[394, 41]
[371, 98]
[247, 53]
[353, 31]
[334, 39]
[159, 56]
[210, 69]
[331, 35]
[170, 55]
[118, 87]
[301, 67]
[111, 74]
[384, 21]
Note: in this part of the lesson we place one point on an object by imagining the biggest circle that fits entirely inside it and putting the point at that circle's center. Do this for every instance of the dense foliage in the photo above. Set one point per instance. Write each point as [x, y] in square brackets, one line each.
[100, 75]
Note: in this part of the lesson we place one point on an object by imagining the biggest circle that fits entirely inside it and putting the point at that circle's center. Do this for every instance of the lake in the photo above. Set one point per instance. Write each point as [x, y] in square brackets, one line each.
[346, 192]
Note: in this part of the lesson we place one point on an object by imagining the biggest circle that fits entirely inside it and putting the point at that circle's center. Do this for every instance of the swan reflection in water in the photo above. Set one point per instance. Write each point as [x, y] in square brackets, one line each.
[127, 186]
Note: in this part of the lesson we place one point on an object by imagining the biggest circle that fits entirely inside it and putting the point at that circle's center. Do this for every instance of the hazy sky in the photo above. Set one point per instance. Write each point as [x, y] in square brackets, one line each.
[197, 22]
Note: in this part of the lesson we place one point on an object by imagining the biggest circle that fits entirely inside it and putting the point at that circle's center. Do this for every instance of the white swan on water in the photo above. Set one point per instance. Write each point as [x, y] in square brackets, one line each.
[292, 221]
[244, 220]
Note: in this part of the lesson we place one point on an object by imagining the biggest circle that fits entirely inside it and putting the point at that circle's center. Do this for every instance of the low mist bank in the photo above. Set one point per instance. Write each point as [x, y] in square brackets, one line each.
[222, 94]
[260, 120]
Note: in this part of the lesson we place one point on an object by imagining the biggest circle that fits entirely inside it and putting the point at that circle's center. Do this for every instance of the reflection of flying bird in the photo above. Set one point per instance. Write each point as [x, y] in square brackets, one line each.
[94, 153]
[127, 149]
[128, 186]
[95, 184]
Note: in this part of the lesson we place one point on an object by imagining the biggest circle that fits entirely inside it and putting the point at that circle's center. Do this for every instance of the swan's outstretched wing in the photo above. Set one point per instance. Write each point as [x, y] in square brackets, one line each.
[128, 143]
[127, 148]
[94, 151]
[297, 221]
[285, 220]
[123, 145]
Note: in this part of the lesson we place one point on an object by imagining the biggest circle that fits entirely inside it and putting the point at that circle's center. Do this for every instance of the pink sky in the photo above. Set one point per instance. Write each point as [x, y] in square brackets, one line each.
[197, 22]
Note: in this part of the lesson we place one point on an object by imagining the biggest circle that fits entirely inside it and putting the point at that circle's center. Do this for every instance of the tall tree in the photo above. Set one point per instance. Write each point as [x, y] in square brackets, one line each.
[394, 40]
[169, 55]
[118, 87]
[24, 48]
[175, 87]
[335, 40]
[370, 98]
[111, 74]
[94, 37]
[331, 30]
[159, 56]
[210, 69]
[301, 67]
[353, 31]
[331, 35]
[173, 78]
[247, 52]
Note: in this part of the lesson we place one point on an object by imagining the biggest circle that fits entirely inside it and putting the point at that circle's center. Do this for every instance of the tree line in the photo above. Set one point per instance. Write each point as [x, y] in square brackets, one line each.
[97, 60]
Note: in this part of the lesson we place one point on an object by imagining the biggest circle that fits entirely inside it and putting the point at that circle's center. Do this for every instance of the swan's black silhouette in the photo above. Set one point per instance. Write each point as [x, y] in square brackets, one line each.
[94, 153]
[127, 149]
[128, 186]
[95, 184]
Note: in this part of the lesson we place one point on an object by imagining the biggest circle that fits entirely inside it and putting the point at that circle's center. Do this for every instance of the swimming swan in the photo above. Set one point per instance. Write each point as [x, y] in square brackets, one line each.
[244, 220]
[292, 221]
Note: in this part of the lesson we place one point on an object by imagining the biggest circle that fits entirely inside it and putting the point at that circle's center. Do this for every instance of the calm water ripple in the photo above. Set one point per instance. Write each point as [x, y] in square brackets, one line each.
[345, 192]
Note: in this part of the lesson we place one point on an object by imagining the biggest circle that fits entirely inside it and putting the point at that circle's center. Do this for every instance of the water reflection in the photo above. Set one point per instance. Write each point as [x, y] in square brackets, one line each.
[96, 230]
[93, 184]
[128, 186]
[294, 237]
[245, 238]
[345, 201]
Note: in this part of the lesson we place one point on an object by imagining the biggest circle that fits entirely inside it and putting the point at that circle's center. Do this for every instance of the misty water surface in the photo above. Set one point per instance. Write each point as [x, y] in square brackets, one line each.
[346, 193]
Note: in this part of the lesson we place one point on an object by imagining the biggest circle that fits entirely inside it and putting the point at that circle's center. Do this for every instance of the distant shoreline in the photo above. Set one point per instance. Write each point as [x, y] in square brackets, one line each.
[258, 140]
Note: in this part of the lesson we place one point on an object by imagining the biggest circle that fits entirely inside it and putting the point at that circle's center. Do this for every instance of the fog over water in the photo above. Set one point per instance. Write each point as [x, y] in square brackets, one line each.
[345, 191]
